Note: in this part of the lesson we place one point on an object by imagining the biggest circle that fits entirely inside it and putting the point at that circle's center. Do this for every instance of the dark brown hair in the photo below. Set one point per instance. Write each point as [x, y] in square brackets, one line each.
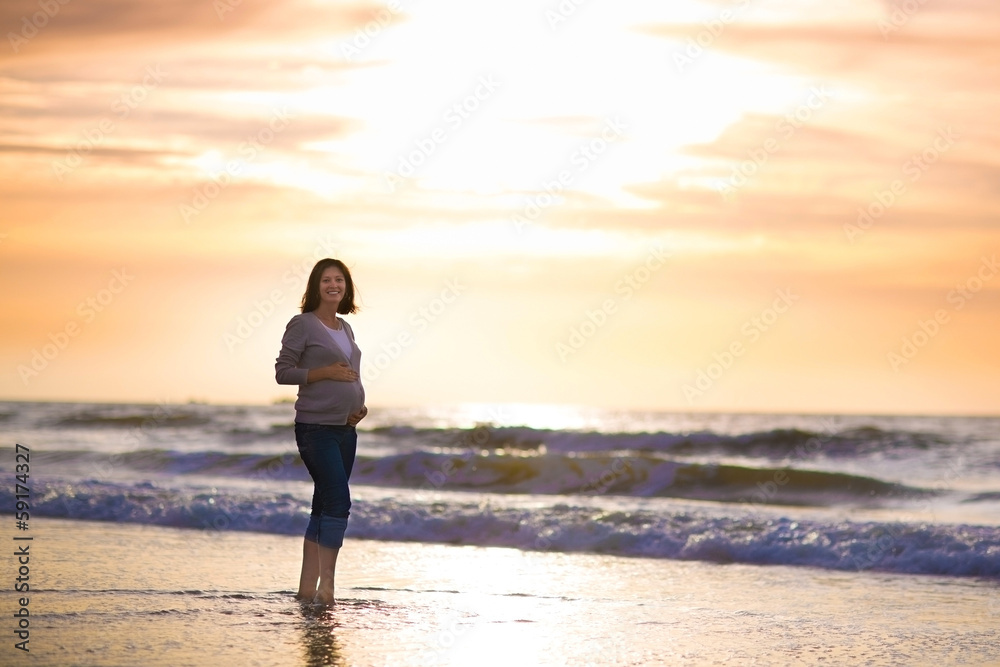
[311, 300]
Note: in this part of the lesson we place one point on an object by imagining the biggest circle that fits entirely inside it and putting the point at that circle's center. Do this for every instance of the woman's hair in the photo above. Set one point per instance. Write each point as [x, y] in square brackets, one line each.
[311, 300]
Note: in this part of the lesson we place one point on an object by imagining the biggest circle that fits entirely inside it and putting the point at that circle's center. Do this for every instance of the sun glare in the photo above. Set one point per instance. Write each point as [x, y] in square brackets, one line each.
[483, 123]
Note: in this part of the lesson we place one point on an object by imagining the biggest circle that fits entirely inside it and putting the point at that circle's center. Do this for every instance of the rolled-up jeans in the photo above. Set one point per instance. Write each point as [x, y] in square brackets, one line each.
[328, 452]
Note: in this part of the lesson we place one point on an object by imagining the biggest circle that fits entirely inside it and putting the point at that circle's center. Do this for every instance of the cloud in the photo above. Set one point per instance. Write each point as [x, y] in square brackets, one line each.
[893, 96]
[910, 58]
[83, 28]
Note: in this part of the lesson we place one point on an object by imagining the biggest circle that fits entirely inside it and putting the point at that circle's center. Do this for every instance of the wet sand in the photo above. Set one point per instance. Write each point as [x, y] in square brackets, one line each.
[114, 594]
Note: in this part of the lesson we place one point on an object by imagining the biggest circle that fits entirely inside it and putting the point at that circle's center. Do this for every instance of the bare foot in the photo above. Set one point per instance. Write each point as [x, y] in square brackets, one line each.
[324, 597]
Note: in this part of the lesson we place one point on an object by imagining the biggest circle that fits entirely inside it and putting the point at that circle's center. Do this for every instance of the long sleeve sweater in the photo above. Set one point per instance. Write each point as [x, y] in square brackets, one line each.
[307, 345]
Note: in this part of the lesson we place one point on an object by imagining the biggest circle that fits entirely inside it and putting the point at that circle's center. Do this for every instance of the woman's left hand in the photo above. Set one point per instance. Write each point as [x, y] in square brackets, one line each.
[354, 418]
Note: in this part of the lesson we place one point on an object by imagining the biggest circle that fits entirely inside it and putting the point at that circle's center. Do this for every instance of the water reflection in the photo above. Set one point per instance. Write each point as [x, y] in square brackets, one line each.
[319, 642]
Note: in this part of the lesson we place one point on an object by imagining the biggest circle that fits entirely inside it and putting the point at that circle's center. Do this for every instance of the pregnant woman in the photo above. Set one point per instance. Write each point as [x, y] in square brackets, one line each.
[318, 353]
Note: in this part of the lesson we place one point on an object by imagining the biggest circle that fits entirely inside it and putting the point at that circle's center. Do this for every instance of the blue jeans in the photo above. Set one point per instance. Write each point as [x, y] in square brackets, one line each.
[328, 452]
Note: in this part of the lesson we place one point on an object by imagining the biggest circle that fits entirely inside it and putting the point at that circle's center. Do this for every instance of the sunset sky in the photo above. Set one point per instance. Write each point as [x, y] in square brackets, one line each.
[752, 206]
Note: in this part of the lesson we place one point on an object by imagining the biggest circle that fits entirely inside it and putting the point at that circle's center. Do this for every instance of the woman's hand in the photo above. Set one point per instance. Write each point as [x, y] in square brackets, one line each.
[339, 371]
[353, 419]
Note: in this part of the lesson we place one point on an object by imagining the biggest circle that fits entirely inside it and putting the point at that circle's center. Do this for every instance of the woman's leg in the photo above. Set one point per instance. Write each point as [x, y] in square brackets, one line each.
[328, 453]
[328, 556]
[327, 569]
[310, 557]
[310, 571]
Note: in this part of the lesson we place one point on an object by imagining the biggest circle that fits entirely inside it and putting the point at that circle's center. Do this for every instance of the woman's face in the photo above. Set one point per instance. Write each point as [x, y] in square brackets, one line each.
[332, 286]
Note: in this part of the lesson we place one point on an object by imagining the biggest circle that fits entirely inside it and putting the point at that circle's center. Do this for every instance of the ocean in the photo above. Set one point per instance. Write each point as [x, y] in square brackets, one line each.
[742, 502]
[916, 495]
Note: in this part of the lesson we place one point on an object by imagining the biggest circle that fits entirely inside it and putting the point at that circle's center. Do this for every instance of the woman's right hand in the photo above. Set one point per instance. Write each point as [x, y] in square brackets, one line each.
[340, 372]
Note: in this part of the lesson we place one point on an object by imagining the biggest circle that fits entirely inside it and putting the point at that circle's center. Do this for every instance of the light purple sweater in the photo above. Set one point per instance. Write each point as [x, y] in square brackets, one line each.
[307, 345]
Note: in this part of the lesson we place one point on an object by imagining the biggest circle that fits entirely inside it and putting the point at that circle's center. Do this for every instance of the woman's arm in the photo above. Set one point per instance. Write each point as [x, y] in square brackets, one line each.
[293, 344]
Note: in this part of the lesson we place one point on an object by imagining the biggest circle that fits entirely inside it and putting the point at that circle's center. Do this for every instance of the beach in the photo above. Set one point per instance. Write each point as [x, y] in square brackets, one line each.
[663, 327]
[122, 595]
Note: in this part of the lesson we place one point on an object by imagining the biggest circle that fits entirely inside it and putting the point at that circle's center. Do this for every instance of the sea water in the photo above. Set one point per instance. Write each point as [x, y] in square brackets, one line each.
[917, 495]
